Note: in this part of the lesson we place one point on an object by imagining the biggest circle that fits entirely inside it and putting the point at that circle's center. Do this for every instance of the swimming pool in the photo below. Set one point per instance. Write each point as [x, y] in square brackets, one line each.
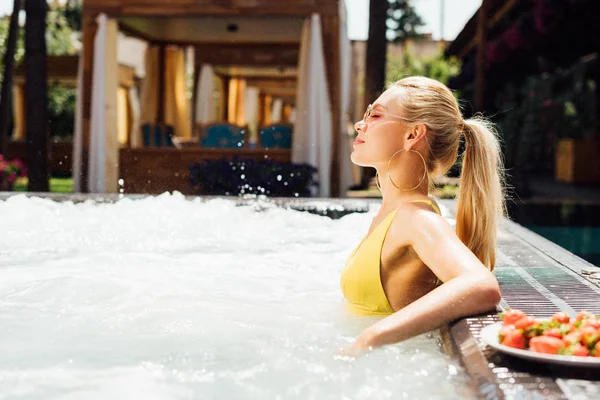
[575, 227]
[168, 298]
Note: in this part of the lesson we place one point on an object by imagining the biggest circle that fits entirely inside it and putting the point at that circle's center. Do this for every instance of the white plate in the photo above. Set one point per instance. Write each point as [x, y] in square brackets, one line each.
[489, 335]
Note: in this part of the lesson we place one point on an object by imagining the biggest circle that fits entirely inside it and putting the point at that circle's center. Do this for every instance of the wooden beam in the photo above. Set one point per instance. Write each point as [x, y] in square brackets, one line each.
[492, 22]
[131, 31]
[195, 90]
[272, 8]
[331, 44]
[481, 56]
[224, 98]
[89, 28]
[275, 83]
[248, 54]
[160, 86]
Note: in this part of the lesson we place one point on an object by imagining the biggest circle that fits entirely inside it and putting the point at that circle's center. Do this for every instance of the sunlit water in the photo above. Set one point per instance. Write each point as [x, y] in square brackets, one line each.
[164, 298]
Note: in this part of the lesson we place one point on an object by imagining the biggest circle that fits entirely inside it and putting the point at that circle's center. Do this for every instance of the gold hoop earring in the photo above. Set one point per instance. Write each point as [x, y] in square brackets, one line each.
[424, 170]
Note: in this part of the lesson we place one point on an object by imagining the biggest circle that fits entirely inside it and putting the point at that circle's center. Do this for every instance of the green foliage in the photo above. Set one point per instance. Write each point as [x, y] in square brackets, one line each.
[403, 21]
[59, 34]
[545, 108]
[63, 22]
[57, 185]
[436, 67]
[61, 104]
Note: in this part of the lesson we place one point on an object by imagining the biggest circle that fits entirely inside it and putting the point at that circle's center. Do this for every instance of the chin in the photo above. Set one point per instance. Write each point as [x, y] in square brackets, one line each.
[358, 160]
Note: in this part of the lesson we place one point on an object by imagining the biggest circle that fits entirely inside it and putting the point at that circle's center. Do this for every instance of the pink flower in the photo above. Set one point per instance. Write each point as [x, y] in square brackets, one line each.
[12, 176]
[24, 172]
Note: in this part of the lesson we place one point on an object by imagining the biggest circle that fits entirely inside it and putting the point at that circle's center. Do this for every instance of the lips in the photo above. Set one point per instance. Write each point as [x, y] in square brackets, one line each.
[359, 141]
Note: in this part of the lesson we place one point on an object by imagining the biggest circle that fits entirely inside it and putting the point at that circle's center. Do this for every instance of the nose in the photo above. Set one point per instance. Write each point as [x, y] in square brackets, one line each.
[359, 126]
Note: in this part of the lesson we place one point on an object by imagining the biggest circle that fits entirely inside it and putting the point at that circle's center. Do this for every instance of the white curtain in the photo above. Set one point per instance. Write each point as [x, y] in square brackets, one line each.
[251, 112]
[276, 110]
[135, 134]
[312, 130]
[104, 146]
[205, 108]
[345, 141]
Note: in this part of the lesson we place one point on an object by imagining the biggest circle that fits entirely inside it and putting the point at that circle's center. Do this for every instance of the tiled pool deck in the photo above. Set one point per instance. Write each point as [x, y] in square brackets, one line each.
[535, 276]
[541, 278]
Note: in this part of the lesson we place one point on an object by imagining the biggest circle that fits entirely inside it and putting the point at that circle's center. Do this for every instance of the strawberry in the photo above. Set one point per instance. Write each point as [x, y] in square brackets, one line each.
[561, 318]
[511, 316]
[591, 321]
[554, 332]
[514, 338]
[583, 314]
[546, 344]
[597, 350]
[580, 351]
[589, 335]
[572, 338]
[525, 323]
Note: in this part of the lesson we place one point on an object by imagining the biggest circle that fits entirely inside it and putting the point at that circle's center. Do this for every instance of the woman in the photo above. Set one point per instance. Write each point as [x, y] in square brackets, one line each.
[412, 267]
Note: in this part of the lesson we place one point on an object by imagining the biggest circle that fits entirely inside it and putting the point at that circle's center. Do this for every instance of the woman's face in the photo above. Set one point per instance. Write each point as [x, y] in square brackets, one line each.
[381, 132]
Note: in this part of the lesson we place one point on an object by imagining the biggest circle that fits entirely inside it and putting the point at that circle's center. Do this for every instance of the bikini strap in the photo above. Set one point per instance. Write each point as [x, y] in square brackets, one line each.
[430, 203]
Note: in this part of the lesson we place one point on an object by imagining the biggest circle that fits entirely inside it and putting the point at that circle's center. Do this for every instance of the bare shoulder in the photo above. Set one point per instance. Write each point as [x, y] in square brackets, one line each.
[414, 220]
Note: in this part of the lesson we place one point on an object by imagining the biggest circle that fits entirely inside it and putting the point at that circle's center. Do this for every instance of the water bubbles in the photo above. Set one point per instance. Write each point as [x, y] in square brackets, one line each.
[242, 176]
[121, 182]
[173, 296]
[279, 177]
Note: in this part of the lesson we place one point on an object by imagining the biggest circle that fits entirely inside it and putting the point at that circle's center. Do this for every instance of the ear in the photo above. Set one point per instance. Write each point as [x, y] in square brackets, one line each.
[414, 136]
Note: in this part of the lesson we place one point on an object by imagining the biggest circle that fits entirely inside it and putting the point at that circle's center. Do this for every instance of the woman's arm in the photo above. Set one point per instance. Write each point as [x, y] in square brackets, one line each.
[469, 287]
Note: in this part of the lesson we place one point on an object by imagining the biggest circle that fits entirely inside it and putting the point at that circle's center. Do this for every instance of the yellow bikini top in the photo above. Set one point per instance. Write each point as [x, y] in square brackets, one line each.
[361, 278]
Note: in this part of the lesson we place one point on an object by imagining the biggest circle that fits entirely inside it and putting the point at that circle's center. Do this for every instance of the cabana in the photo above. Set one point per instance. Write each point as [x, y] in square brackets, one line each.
[63, 71]
[255, 63]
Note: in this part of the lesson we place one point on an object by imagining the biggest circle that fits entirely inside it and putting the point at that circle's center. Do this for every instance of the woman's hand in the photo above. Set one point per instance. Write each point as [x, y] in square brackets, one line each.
[362, 345]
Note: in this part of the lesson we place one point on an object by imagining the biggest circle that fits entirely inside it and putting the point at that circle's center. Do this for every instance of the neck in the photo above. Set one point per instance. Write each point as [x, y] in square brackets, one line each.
[391, 195]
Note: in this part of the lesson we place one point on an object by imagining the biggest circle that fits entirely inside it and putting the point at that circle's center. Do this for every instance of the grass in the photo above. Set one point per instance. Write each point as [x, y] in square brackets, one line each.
[57, 185]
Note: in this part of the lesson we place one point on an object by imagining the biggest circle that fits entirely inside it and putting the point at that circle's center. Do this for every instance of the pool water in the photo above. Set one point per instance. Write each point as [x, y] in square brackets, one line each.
[575, 227]
[166, 298]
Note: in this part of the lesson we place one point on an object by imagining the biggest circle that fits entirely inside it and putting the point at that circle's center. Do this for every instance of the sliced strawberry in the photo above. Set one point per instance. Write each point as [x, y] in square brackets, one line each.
[583, 314]
[561, 318]
[589, 335]
[511, 316]
[572, 338]
[554, 332]
[514, 338]
[525, 323]
[580, 351]
[546, 344]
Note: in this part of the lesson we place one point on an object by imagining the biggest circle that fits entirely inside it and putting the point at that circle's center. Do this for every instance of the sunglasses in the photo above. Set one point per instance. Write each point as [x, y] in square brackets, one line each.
[370, 112]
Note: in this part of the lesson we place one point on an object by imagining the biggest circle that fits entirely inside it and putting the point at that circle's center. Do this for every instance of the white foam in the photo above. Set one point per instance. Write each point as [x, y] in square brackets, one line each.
[164, 298]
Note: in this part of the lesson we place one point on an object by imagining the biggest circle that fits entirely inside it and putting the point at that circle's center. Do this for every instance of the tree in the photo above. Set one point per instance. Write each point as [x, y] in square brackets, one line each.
[403, 21]
[376, 50]
[36, 93]
[394, 20]
[7, 82]
[436, 67]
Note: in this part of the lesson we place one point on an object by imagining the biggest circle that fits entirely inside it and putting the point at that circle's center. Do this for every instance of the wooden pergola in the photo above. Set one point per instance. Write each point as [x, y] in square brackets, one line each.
[238, 37]
[61, 71]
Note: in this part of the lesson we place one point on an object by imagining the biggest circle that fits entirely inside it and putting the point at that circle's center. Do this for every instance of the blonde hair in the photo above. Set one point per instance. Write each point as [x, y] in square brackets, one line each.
[481, 195]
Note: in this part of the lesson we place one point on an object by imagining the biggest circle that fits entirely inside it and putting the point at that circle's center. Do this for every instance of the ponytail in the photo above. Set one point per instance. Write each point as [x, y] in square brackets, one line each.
[481, 194]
